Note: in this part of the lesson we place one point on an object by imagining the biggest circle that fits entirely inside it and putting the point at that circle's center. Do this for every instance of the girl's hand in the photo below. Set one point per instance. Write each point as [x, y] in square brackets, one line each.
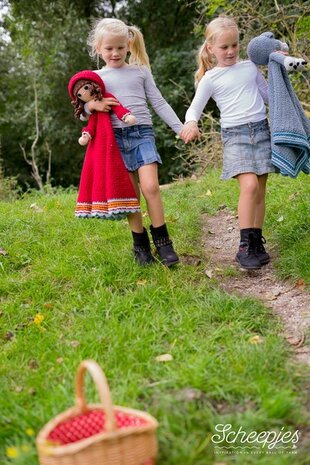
[190, 132]
[129, 119]
[104, 105]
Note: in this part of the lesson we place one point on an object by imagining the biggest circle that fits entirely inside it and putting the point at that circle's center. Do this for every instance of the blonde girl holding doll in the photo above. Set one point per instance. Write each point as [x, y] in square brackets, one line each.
[132, 84]
[240, 93]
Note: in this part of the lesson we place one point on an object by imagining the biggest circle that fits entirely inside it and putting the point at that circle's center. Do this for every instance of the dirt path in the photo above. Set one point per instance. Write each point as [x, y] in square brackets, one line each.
[288, 300]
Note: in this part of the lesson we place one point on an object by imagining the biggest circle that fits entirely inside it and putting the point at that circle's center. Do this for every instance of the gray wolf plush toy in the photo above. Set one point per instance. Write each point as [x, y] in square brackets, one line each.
[289, 126]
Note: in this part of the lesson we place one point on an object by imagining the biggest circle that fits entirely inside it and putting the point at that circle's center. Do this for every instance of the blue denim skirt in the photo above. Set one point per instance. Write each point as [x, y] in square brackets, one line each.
[137, 146]
[247, 149]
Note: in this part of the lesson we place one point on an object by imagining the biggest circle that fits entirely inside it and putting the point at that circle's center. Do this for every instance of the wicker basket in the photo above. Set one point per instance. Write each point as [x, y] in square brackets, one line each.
[98, 434]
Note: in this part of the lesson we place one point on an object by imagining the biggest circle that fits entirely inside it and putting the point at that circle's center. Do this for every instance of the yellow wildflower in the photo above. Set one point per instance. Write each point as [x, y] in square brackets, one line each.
[25, 448]
[29, 432]
[38, 319]
[12, 452]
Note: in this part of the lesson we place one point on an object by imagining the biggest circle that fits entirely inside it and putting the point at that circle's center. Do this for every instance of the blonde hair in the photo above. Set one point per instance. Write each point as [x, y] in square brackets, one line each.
[213, 30]
[138, 54]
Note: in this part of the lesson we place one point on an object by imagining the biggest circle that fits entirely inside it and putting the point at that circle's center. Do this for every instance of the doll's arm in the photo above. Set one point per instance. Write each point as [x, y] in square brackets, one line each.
[121, 112]
[89, 131]
[85, 138]
[289, 63]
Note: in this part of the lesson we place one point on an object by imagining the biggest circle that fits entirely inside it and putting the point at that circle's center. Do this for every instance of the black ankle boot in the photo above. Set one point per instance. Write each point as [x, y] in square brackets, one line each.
[164, 245]
[142, 248]
[260, 250]
[246, 256]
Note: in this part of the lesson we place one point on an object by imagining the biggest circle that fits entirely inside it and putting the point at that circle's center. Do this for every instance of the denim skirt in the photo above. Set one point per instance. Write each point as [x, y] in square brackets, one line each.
[247, 149]
[137, 146]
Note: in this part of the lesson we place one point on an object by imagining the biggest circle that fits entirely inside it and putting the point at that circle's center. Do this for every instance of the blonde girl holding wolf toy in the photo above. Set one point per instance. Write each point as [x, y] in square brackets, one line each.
[240, 93]
[132, 83]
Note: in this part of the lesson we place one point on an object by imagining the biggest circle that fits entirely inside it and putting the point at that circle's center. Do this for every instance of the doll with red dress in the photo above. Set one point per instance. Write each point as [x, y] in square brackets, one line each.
[105, 190]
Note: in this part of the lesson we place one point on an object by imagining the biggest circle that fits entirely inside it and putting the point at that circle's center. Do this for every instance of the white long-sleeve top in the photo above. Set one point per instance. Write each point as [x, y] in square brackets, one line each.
[134, 86]
[239, 92]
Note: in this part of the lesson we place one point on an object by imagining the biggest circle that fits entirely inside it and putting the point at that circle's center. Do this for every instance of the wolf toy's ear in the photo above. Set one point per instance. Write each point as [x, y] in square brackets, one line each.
[268, 34]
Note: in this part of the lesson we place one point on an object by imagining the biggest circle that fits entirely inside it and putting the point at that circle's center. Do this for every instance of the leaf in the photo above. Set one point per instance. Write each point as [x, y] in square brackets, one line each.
[47, 305]
[300, 284]
[280, 219]
[36, 208]
[141, 282]
[209, 273]
[272, 295]
[8, 335]
[33, 364]
[3, 252]
[256, 340]
[74, 343]
[209, 193]
[164, 358]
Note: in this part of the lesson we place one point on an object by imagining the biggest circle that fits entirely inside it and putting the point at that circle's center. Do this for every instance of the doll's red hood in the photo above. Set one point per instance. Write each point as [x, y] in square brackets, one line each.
[86, 75]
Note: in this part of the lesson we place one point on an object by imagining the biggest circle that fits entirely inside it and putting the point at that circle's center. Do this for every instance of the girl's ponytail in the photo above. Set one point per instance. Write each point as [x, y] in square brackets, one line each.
[204, 60]
[138, 55]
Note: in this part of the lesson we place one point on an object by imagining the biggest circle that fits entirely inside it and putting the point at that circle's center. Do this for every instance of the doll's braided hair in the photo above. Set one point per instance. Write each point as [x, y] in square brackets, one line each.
[77, 103]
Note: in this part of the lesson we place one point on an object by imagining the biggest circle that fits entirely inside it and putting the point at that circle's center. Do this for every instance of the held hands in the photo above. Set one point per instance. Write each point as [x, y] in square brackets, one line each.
[129, 119]
[190, 132]
[102, 105]
[85, 138]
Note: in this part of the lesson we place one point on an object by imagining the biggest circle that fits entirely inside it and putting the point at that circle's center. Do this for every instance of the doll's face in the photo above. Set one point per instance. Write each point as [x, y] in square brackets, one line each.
[84, 93]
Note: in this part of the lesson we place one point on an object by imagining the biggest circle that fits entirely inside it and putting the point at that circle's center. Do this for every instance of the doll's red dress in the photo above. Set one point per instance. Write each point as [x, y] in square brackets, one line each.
[105, 190]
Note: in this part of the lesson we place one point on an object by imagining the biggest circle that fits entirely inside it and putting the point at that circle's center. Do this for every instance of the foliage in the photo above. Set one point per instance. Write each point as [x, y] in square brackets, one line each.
[48, 44]
[8, 187]
[43, 43]
[70, 290]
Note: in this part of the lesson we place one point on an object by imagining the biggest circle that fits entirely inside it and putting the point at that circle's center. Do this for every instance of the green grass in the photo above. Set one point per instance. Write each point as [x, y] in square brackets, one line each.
[96, 303]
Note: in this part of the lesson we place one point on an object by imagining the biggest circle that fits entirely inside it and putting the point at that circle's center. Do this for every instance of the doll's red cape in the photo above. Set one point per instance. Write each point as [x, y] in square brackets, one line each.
[105, 190]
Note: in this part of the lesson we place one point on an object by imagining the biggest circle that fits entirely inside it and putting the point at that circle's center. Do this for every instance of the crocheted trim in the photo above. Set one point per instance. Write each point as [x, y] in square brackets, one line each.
[113, 209]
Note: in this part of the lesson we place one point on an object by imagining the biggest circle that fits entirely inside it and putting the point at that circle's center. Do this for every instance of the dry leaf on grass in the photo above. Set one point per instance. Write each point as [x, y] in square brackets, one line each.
[3, 252]
[36, 208]
[164, 358]
[256, 339]
[209, 273]
[300, 284]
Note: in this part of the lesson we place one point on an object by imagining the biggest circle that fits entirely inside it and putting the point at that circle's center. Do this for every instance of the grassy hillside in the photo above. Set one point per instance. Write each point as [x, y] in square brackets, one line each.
[69, 290]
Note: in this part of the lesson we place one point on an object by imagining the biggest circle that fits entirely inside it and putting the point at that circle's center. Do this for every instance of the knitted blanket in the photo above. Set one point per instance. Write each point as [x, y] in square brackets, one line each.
[290, 127]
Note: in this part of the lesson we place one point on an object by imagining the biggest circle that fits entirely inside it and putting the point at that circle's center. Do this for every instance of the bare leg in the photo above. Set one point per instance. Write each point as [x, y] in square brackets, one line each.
[249, 188]
[135, 219]
[260, 201]
[148, 176]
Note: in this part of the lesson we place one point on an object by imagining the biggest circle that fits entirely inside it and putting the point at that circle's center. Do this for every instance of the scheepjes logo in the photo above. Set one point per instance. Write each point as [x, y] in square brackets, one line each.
[227, 440]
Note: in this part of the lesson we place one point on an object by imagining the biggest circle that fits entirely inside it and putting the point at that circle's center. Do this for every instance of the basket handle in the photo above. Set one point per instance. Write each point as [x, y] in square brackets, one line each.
[102, 387]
